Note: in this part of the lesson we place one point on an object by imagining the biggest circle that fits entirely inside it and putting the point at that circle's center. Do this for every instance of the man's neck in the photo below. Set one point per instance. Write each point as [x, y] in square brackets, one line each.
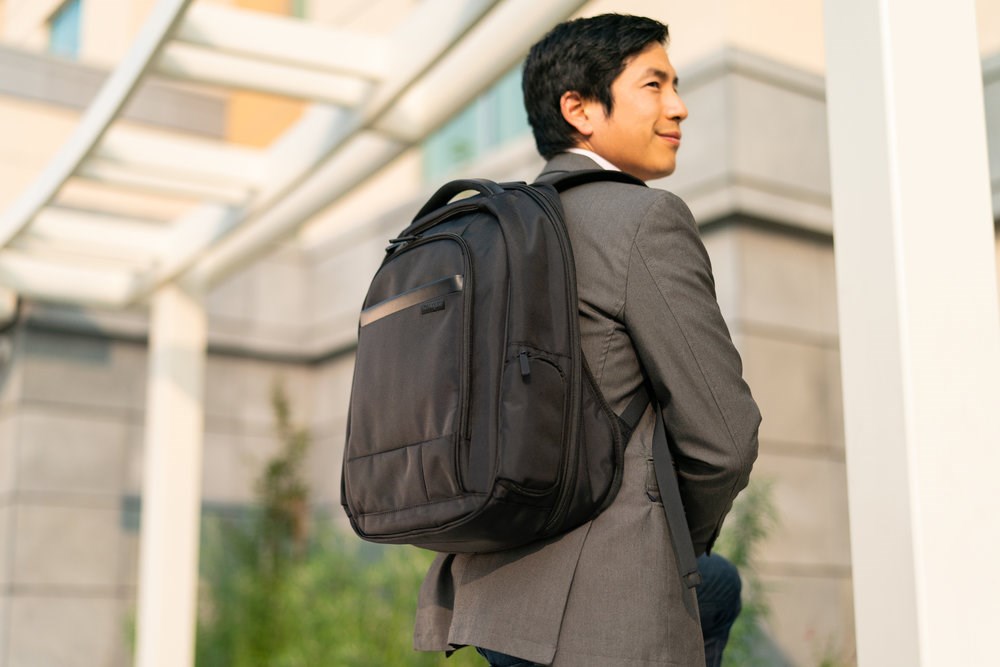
[603, 163]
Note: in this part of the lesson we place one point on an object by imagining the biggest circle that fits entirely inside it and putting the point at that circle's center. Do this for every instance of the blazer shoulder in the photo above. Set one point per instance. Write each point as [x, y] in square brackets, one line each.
[642, 194]
[662, 209]
[625, 210]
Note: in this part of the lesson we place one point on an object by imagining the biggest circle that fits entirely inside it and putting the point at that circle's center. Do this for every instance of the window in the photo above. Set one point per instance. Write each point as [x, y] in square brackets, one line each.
[493, 119]
[64, 30]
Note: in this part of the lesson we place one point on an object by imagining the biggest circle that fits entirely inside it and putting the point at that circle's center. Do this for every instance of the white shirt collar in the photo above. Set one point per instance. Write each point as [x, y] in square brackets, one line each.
[604, 164]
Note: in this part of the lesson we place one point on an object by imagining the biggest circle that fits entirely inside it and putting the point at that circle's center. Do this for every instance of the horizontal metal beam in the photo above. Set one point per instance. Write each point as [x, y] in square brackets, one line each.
[56, 281]
[431, 31]
[95, 234]
[189, 238]
[187, 188]
[191, 63]
[182, 157]
[82, 255]
[365, 154]
[285, 40]
[99, 115]
[91, 196]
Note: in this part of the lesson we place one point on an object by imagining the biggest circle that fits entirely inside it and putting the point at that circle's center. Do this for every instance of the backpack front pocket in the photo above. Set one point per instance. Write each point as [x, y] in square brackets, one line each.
[413, 350]
[532, 414]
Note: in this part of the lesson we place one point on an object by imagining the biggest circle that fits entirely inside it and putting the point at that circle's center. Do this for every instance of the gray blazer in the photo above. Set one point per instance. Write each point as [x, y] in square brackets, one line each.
[609, 593]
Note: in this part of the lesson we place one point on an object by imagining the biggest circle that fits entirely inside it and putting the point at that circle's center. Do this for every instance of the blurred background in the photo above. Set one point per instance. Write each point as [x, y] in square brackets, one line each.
[258, 154]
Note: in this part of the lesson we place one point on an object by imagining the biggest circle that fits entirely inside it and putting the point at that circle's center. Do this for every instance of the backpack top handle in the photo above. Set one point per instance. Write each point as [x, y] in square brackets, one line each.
[448, 191]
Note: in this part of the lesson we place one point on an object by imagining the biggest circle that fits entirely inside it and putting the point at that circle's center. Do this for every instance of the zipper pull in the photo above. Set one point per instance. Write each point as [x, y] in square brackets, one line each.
[525, 367]
[397, 243]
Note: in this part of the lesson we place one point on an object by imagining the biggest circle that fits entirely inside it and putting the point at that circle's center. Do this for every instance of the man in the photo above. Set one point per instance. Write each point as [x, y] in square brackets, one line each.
[601, 92]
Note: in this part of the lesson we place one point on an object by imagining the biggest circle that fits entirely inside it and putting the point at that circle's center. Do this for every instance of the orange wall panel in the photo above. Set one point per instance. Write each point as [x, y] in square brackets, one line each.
[256, 119]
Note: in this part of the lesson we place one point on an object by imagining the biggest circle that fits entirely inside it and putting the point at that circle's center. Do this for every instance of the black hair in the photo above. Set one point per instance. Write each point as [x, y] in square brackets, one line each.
[585, 56]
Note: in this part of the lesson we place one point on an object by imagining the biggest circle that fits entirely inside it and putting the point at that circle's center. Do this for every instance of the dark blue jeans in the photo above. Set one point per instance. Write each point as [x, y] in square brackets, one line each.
[718, 605]
[502, 660]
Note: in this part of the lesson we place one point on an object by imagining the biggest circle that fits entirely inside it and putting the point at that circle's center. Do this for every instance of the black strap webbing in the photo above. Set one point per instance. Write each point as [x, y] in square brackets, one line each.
[563, 181]
[629, 419]
[670, 494]
[666, 480]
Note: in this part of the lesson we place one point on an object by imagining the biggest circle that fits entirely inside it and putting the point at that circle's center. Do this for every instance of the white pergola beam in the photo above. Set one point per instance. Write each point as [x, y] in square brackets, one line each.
[189, 239]
[171, 491]
[433, 28]
[90, 196]
[191, 63]
[359, 159]
[55, 280]
[196, 159]
[71, 226]
[318, 132]
[83, 255]
[187, 187]
[131, 244]
[919, 328]
[115, 92]
[285, 40]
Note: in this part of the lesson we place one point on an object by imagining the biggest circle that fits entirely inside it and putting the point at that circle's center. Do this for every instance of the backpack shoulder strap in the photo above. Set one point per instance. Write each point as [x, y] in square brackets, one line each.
[670, 494]
[563, 181]
[666, 480]
[629, 419]
[663, 464]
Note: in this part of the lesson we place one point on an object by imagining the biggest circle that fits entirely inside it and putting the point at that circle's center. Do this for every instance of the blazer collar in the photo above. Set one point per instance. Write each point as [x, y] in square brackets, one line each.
[568, 162]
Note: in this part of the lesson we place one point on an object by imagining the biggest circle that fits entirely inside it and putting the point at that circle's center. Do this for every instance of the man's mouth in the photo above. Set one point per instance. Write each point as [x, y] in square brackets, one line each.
[672, 137]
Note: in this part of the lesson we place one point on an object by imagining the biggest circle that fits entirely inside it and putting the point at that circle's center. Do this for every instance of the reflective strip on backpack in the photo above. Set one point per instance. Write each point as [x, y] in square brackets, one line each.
[412, 297]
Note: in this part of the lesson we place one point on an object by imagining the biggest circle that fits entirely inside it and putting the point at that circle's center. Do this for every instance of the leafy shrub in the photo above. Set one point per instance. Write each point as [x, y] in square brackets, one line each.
[278, 591]
[748, 524]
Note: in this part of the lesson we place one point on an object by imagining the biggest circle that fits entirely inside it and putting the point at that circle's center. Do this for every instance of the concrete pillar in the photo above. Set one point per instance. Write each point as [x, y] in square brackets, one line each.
[919, 328]
[171, 495]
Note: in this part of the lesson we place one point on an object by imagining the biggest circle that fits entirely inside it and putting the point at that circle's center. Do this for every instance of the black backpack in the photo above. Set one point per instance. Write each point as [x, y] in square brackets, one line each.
[475, 424]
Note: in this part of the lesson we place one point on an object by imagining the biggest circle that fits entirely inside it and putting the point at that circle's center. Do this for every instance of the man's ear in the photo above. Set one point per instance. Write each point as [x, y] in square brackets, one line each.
[575, 110]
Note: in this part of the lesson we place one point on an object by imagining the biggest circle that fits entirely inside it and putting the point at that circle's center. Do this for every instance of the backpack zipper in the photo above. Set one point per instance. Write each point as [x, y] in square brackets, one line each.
[416, 231]
[525, 366]
[562, 503]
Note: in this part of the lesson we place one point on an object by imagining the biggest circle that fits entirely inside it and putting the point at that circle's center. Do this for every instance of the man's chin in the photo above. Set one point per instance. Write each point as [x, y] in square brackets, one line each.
[661, 173]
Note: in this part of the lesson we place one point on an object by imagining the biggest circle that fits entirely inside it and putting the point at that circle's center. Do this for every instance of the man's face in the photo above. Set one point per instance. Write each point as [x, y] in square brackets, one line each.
[643, 133]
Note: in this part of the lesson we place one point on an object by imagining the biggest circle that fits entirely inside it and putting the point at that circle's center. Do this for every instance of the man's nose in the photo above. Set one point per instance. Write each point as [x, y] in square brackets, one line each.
[674, 108]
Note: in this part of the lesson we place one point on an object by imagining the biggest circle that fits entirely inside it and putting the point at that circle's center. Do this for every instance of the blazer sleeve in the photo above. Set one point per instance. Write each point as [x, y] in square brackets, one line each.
[684, 347]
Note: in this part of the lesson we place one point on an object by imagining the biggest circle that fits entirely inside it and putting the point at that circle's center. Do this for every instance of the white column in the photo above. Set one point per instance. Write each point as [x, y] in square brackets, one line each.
[171, 497]
[919, 328]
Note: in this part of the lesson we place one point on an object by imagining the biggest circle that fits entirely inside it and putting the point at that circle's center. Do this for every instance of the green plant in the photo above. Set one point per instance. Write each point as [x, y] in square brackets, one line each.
[751, 520]
[834, 654]
[284, 589]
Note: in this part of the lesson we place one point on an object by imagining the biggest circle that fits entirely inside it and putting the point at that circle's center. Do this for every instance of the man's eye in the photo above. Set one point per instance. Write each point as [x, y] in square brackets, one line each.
[654, 84]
